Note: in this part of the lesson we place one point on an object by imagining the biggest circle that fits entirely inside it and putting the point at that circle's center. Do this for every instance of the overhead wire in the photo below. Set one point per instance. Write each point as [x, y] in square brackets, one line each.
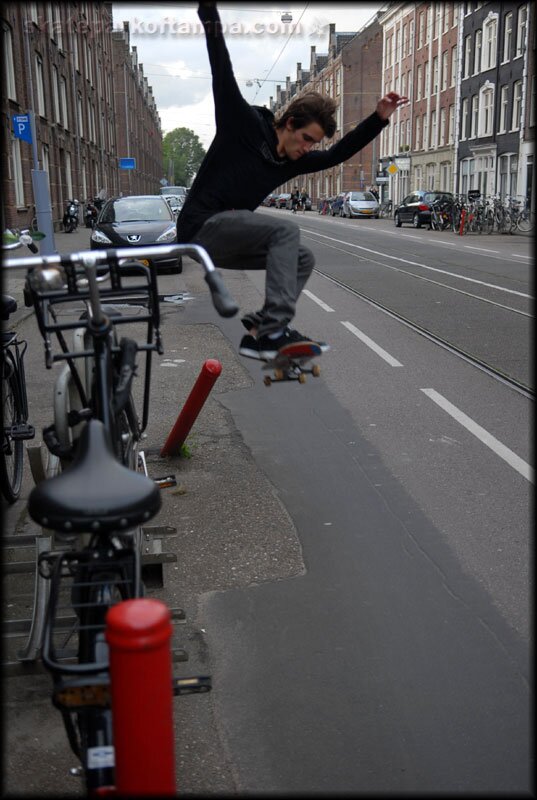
[281, 51]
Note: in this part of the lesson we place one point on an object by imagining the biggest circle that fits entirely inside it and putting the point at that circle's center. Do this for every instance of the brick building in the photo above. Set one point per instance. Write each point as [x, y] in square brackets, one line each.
[59, 60]
[349, 73]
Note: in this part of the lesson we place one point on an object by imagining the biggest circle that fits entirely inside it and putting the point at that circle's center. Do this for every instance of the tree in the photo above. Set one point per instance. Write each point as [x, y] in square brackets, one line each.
[186, 152]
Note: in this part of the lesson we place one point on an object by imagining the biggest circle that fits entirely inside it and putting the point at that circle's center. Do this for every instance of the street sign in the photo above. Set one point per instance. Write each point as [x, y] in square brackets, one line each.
[392, 169]
[22, 128]
[403, 162]
[127, 163]
[382, 179]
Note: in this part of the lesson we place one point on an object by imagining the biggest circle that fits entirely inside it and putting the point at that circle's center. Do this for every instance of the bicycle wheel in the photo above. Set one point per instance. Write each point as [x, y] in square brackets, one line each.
[12, 452]
[526, 221]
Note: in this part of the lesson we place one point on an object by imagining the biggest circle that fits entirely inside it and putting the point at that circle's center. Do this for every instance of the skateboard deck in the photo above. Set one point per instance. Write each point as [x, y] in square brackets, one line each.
[291, 363]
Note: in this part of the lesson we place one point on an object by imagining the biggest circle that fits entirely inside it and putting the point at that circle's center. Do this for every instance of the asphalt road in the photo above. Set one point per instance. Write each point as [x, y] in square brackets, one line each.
[363, 595]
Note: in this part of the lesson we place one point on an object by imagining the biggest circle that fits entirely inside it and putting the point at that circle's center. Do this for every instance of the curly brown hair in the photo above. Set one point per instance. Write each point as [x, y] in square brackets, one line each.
[311, 107]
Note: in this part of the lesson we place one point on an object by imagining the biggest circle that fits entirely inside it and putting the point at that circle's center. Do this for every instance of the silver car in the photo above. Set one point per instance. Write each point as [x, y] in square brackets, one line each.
[360, 204]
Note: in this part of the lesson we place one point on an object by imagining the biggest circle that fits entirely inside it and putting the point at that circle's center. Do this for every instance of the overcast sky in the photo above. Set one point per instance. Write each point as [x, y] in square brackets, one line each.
[172, 49]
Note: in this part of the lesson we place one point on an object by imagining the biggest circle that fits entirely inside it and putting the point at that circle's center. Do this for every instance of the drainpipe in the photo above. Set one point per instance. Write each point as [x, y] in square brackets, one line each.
[458, 101]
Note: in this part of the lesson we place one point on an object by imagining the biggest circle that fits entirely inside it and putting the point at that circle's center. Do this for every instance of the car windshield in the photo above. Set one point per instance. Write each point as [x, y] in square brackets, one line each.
[137, 209]
[362, 196]
[430, 197]
[173, 190]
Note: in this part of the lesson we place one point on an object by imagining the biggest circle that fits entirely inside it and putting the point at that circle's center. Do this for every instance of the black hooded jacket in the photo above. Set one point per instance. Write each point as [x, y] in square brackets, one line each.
[242, 165]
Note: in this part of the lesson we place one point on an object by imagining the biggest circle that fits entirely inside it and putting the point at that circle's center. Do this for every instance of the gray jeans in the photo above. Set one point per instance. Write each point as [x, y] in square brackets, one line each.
[249, 240]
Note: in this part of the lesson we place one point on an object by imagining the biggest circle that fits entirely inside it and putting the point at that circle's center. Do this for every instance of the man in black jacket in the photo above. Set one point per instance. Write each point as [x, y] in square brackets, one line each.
[252, 154]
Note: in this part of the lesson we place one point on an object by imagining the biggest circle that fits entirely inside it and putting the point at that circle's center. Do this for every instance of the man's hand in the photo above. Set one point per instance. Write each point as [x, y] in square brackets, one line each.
[389, 103]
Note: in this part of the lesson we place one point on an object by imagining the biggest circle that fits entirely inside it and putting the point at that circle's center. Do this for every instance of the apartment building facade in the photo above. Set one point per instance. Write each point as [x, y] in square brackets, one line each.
[468, 70]
[59, 61]
[349, 73]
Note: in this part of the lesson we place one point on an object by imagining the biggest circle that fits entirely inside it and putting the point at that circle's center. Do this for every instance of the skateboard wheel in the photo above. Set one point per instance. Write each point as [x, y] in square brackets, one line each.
[267, 380]
[302, 378]
[316, 370]
[278, 374]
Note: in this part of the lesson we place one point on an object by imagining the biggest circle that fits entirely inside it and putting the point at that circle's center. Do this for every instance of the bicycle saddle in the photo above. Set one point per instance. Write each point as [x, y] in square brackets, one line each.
[96, 493]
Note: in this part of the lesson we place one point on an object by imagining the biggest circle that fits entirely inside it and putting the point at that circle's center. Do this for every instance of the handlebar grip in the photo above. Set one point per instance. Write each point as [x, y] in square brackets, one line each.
[222, 300]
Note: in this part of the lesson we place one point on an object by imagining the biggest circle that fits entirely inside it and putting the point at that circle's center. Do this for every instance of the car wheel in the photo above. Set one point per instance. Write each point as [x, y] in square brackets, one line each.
[416, 220]
[397, 220]
[376, 216]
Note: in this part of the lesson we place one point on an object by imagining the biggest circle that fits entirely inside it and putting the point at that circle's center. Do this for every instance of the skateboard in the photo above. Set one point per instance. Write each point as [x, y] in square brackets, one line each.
[290, 363]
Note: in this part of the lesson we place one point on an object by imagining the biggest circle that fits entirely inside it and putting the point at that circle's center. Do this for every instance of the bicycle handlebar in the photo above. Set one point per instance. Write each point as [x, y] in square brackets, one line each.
[221, 297]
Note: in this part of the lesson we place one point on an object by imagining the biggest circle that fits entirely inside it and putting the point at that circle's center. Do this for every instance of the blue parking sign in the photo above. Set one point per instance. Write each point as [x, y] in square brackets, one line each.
[127, 163]
[22, 128]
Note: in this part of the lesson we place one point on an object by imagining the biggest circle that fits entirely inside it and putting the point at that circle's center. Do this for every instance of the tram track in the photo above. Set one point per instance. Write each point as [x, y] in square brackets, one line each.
[493, 372]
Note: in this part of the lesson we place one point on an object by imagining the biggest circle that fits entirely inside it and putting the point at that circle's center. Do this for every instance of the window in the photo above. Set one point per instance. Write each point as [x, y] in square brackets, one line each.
[531, 121]
[403, 84]
[464, 118]
[63, 100]
[426, 79]
[475, 117]
[338, 81]
[517, 105]
[68, 175]
[17, 172]
[405, 41]
[442, 127]
[418, 176]
[446, 18]
[508, 36]
[425, 131]
[444, 70]
[58, 27]
[504, 102]
[56, 93]
[437, 20]
[421, 30]
[419, 82]
[428, 25]
[9, 70]
[80, 117]
[433, 129]
[435, 74]
[74, 39]
[477, 51]
[45, 162]
[445, 176]
[521, 30]
[486, 99]
[40, 85]
[451, 124]
[396, 46]
[453, 65]
[489, 49]
[418, 133]
[388, 51]
[430, 177]
[467, 54]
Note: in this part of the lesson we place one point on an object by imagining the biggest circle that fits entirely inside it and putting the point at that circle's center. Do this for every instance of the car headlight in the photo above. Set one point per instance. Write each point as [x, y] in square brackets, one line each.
[100, 237]
[169, 235]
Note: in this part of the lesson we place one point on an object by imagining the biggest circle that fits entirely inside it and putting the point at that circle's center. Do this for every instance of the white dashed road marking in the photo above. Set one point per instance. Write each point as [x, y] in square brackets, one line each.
[370, 343]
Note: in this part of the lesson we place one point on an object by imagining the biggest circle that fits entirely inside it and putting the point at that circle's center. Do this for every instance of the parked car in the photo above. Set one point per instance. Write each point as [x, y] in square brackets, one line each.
[135, 221]
[416, 207]
[176, 202]
[175, 190]
[281, 200]
[270, 200]
[360, 204]
[336, 205]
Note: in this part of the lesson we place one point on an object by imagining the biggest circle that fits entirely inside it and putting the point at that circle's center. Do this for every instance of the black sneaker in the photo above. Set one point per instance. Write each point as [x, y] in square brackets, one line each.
[269, 348]
[249, 324]
[249, 347]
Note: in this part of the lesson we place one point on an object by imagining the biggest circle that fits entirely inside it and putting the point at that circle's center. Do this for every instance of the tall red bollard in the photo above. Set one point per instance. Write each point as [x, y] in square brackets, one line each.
[138, 633]
[206, 379]
[463, 219]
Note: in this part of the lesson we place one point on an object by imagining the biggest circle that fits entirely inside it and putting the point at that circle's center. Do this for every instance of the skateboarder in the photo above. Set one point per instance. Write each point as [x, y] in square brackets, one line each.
[251, 154]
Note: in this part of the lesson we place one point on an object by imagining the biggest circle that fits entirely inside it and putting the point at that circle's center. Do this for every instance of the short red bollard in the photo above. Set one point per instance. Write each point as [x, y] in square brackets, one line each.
[195, 400]
[138, 633]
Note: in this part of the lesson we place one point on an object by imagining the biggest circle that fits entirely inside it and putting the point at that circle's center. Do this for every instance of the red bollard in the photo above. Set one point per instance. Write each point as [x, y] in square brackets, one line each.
[195, 400]
[138, 633]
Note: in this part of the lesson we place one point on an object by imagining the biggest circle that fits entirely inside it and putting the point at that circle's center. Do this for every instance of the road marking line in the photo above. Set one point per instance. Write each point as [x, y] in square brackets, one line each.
[519, 255]
[370, 343]
[417, 264]
[482, 249]
[487, 438]
[316, 300]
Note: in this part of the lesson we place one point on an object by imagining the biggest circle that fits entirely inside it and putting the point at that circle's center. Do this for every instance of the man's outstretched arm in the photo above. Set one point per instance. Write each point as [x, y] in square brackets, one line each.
[356, 139]
[228, 100]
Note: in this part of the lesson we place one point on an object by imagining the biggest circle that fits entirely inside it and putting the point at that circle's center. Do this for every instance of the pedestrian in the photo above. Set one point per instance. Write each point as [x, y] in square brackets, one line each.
[295, 199]
[374, 193]
[303, 198]
[252, 153]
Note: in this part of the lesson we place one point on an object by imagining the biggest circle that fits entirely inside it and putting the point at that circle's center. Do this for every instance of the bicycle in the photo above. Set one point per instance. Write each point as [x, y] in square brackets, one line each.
[15, 426]
[386, 208]
[102, 495]
[522, 218]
